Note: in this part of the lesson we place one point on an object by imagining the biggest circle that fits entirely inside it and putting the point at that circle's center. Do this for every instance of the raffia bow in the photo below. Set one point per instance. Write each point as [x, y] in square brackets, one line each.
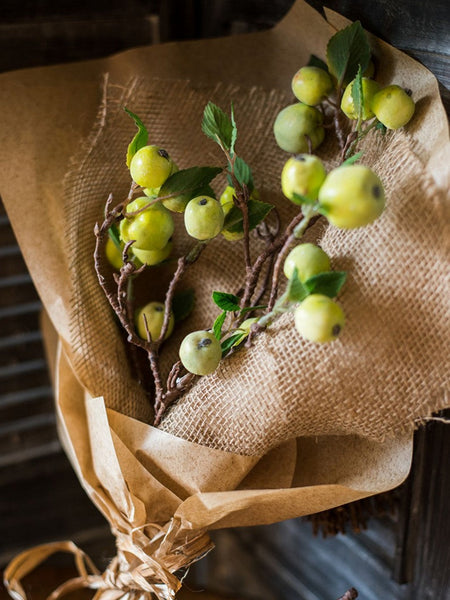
[147, 558]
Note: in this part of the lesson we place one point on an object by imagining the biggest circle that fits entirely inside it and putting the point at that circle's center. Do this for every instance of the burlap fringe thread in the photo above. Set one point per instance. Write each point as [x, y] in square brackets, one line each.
[143, 568]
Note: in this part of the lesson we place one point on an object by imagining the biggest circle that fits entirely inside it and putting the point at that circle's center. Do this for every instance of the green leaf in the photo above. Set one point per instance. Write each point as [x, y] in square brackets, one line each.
[315, 61]
[296, 291]
[231, 341]
[233, 131]
[218, 324]
[188, 180]
[243, 174]
[227, 302]
[217, 125]
[257, 212]
[352, 159]
[347, 49]
[243, 335]
[328, 283]
[182, 304]
[205, 190]
[140, 139]
[357, 95]
[299, 199]
[113, 233]
[250, 308]
[380, 127]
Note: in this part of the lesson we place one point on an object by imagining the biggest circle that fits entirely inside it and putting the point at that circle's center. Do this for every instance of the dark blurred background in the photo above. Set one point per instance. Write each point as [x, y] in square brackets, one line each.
[403, 553]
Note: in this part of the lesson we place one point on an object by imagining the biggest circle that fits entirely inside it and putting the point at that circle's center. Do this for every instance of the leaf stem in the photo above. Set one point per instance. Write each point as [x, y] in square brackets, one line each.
[351, 147]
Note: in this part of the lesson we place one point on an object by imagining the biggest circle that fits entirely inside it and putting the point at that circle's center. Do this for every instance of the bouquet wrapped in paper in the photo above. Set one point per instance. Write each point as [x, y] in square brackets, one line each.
[284, 428]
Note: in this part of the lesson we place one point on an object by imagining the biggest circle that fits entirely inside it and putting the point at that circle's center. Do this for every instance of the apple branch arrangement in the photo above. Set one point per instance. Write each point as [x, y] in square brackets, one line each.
[338, 96]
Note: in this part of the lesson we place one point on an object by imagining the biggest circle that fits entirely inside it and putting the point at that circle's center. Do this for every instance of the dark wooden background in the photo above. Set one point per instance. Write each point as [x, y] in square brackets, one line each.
[402, 555]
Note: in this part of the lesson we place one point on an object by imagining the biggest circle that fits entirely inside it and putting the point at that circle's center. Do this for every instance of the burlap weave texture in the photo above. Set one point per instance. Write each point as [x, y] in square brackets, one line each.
[388, 369]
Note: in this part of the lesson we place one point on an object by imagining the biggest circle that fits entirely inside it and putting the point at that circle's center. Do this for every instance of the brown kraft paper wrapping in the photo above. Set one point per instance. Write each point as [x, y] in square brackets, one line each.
[274, 453]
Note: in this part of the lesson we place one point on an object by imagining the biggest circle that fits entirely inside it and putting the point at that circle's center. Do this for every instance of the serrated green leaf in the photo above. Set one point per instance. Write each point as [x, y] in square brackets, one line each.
[328, 283]
[205, 190]
[233, 131]
[352, 159]
[188, 180]
[380, 127]
[257, 212]
[243, 174]
[357, 95]
[347, 49]
[113, 233]
[140, 139]
[218, 324]
[299, 199]
[227, 302]
[231, 341]
[217, 125]
[182, 304]
[315, 61]
[296, 291]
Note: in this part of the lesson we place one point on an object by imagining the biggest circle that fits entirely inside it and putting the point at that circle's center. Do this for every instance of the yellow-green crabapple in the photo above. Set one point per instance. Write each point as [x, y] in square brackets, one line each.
[393, 107]
[153, 257]
[302, 174]
[369, 89]
[203, 218]
[154, 314]
[150, 167]
[311, 85]
[351, 196]
[113, 254]
[295, 124]
[308, 259]
[200, 352]
[319, 319]
[151, 228]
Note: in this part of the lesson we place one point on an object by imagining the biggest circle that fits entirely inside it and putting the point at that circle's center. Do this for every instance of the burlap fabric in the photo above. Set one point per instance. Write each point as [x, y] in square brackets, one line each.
[387, 370]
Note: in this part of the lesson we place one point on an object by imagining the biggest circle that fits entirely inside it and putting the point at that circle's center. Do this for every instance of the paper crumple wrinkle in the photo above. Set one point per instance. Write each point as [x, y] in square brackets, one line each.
[284, 430]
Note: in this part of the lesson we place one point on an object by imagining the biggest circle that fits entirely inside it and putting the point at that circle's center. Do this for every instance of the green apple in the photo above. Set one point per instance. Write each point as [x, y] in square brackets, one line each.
[150, 229]
[302, 174]
[203, 218]
[154, 314]
[311, 85]
[319, 319]
[308, 259]
[393, 107]
[351, 196]
[200, 352]
[150, 167]
[369, 89]
[294, 124]
[153, 257]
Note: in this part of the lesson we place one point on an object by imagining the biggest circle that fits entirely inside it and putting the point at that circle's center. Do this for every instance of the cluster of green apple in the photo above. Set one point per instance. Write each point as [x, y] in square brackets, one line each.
[148, 221]
[299, 126]
[392, 106]
[318, 318]
[148, 225]
[350, 196]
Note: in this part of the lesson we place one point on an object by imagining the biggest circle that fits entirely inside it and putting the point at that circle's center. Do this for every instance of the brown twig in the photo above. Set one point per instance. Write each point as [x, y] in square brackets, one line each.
[121, 302]
[350, 594]
[176, 386]
[287, 240]
[338, 116]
